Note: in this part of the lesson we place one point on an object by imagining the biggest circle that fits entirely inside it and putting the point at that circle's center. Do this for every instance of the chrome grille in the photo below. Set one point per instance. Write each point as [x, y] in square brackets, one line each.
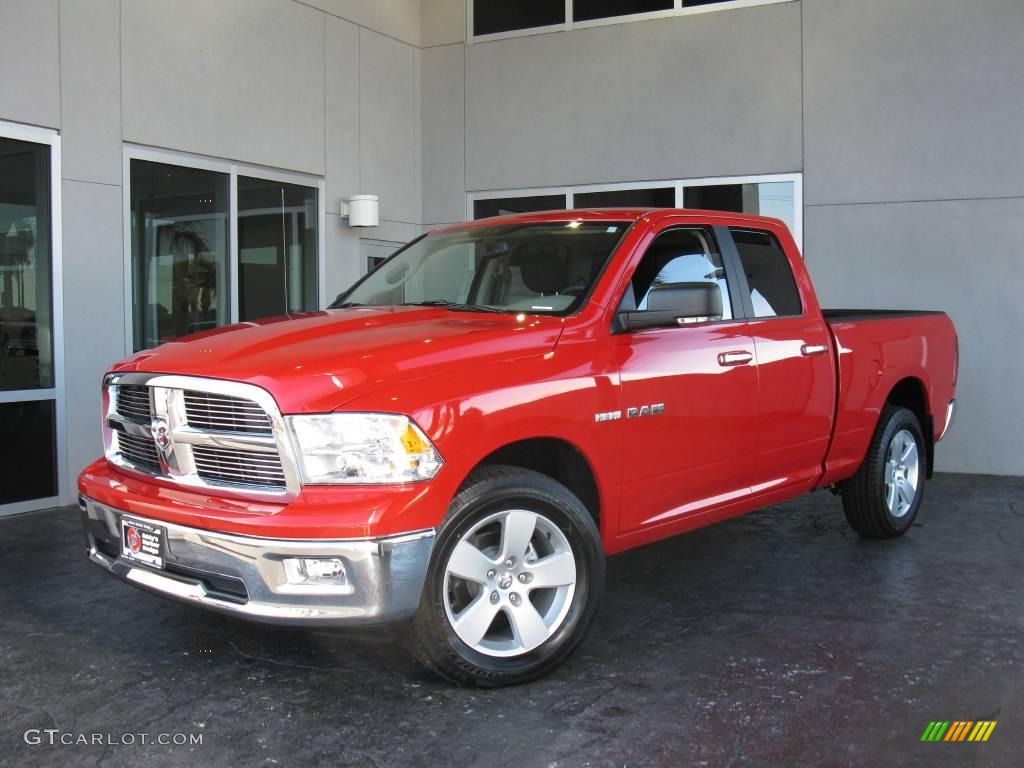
[211, 434]
[133, 402]
[235, 467]
[140, 451]
[225, 413]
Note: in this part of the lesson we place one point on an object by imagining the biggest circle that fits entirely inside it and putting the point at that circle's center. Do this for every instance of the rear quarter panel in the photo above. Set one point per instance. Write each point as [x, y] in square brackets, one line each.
[873, 356]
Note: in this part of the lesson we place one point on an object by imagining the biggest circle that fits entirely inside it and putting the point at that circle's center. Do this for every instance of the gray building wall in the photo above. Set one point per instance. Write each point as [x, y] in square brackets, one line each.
[903, 118]
[329, 88]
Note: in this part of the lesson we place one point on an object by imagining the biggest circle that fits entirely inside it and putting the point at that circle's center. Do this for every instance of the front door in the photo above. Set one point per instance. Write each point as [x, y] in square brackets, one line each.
[688, 393]
[30, 415]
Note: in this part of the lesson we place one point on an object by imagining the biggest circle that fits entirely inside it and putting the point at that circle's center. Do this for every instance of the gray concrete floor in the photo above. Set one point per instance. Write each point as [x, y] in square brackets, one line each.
[777, 639]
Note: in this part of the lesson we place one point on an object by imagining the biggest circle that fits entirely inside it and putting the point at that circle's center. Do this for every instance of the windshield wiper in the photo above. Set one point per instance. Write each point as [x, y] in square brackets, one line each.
[454, 306]
[346, 305]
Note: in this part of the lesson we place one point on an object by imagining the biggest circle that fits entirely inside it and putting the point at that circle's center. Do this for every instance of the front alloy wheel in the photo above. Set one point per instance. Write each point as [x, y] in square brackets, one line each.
[509, 583]
[513, 583]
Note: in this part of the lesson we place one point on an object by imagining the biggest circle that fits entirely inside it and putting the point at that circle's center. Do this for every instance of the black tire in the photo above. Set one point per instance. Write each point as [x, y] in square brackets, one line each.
[489, 490]
[864, 494]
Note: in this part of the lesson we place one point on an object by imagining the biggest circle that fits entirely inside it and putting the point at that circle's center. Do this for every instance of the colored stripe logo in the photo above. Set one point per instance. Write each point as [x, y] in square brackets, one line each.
[958, 730]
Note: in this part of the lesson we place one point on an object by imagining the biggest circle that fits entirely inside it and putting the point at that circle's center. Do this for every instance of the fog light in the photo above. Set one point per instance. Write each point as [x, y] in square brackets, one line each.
[315, 570]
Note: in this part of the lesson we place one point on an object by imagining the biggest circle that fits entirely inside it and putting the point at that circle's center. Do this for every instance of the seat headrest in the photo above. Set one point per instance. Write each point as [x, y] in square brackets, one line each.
[544, 268]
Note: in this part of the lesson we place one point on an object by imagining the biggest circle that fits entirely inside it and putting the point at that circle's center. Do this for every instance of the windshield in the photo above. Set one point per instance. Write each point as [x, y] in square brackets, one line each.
[537, 268]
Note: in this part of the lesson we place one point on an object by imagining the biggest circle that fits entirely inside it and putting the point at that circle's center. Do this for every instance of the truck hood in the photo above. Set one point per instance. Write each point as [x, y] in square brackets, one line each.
[317, 362]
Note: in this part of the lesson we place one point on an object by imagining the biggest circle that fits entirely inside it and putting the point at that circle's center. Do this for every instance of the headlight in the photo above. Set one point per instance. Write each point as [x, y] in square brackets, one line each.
[363, 448]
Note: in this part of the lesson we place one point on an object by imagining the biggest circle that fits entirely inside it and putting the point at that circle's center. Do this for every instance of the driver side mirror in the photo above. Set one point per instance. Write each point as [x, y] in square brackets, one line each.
[674, 304]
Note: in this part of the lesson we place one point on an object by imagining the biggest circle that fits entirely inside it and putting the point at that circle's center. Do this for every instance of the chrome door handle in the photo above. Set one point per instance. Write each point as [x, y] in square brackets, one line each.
[734, 358]
[807, 350]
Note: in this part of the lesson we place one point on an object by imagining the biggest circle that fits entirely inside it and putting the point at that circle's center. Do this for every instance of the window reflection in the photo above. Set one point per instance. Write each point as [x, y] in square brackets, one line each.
[26, 323]
[277, 248]
[179, 251]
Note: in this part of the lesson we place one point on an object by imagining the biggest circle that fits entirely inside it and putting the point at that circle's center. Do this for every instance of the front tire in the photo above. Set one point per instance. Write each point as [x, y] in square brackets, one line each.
[513, 583]
[882, 499]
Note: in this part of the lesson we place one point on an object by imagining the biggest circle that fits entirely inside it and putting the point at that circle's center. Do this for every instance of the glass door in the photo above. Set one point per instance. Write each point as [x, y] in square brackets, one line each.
[31, 439]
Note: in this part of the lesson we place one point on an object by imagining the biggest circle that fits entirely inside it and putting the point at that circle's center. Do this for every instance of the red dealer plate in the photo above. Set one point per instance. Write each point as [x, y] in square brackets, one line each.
[142, 542]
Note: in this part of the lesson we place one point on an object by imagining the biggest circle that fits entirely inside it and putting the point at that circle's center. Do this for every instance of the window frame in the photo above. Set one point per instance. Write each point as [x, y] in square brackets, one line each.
[56, 393]
[677, 10]
[680, 186]
[233, 170]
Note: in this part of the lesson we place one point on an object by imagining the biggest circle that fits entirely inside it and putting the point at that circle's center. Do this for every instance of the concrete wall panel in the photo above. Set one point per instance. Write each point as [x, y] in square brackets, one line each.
[703, 95]
[240, 79]
[30, 62]
[913, 100]
[962, 257]
[444, 135]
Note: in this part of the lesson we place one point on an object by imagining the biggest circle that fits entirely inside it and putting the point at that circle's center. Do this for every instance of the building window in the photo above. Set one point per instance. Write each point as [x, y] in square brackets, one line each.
[277, 248]
[501, 206]
[184, 261]
[587, 10]
[179, 246]
[490, 19]
[493, 16]
[779, 196]
[775, 199]
[664, 197]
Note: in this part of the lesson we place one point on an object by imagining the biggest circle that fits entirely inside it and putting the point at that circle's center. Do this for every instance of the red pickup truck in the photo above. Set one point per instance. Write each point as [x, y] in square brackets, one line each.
[469, 430]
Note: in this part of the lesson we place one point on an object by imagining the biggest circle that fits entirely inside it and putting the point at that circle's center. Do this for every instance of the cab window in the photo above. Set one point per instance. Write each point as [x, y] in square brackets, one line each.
[678, 256]
[773, 291]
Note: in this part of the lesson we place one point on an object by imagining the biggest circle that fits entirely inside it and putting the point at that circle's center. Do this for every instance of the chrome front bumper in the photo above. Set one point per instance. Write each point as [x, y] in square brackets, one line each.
[244, 576]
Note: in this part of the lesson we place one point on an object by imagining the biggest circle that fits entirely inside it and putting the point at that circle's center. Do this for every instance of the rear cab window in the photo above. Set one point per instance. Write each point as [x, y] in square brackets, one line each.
[773, 291]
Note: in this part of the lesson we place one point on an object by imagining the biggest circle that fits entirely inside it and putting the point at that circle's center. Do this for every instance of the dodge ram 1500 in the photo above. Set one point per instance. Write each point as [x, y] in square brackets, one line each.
[464, 435]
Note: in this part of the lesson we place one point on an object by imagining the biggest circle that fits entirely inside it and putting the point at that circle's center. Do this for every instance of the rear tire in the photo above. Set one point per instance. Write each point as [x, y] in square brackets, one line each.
[882, 499]
[513, 582]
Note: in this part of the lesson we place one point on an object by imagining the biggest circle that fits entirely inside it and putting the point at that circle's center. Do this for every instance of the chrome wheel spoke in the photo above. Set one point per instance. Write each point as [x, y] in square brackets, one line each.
[527, 625]
[474, 621]
[468, 562]
[901, 474]
[516, 531]
[906, 493]
[909, 455]
[890, 496]
[553, 571]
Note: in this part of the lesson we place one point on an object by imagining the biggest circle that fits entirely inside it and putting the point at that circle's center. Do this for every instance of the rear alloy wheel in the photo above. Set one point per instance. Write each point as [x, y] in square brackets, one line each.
[881, 500]
[514, 580]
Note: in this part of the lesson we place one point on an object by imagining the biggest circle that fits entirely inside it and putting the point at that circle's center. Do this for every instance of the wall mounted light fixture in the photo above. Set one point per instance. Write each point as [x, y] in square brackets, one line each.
[361, 210]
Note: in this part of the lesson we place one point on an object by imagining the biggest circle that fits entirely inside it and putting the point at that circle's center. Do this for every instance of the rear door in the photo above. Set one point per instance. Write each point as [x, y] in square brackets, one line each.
[688, 393]
[796, 375]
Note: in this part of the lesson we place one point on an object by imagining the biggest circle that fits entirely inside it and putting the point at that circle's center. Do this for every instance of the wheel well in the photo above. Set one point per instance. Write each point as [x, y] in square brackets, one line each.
[909, 393]
[558, 460]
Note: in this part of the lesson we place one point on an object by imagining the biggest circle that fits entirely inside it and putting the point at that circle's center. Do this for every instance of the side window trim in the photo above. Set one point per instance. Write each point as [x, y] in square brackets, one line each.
[739, 293]
[735, 266]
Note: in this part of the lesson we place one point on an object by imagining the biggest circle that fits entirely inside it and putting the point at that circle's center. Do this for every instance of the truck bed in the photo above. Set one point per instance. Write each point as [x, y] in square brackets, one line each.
[876, 349]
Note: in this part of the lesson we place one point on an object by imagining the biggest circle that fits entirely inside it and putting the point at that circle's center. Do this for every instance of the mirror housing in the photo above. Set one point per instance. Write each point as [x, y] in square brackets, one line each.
[675, 304]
